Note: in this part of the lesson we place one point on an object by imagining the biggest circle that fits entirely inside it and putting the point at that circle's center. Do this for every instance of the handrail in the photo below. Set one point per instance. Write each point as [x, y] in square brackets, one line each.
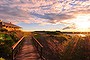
[43, 50]
[39, 47]
[38, 42]
[15, 45]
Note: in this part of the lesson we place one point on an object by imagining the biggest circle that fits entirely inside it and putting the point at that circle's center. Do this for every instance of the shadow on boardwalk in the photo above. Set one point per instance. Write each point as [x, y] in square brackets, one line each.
[28, 51]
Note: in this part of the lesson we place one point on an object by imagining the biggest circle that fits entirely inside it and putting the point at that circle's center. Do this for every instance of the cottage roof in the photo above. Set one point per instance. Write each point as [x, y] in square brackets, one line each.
[9, 24]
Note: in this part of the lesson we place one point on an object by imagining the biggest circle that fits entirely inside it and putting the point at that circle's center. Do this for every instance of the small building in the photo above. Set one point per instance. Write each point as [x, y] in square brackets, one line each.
[9, 26]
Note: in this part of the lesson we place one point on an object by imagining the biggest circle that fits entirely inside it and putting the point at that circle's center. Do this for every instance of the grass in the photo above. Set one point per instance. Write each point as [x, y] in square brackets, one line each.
[7, 40]
[64, 46]
[5, 37]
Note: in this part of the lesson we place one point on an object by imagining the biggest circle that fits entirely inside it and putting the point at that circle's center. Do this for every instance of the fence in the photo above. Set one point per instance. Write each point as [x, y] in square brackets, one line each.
[16, 47]
[39, 47]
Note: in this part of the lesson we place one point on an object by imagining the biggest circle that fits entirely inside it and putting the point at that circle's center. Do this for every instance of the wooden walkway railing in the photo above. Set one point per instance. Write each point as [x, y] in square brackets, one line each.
[39, 47]
[16, 47]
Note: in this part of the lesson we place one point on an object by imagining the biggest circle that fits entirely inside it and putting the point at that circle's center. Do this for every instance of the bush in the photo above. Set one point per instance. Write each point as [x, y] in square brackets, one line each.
[6, 42]
[3, 30]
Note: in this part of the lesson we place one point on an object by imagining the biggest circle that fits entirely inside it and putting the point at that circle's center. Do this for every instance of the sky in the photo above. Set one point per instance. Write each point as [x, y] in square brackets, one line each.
[47, 15]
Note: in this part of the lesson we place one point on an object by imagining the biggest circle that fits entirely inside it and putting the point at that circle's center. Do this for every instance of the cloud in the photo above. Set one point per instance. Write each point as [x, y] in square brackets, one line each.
[71, 26]
[86, 11]
[53, 17]
[42, 11]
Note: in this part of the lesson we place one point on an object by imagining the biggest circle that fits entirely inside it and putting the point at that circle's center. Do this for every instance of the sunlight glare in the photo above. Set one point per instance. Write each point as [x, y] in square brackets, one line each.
[83, 25]
[82, 22]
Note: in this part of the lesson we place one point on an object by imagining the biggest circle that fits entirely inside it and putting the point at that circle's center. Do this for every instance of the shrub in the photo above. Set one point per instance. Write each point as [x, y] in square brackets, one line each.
[3, 30]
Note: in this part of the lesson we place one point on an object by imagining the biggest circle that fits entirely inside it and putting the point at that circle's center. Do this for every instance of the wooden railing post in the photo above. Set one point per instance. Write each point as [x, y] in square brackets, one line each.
[12, 55]
[16, 47]
[41, 53]
[37, 45]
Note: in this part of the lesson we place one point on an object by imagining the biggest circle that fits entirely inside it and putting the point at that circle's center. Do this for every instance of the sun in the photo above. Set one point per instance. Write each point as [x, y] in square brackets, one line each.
[82, 22]
[83, 25]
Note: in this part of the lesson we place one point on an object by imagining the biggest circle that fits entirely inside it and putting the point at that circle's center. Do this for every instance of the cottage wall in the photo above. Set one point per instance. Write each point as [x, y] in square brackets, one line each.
[9, 26]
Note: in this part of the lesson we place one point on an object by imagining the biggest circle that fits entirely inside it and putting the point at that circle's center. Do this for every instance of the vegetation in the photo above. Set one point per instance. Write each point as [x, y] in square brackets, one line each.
[7, 40]
[64, 47]
[3, 30]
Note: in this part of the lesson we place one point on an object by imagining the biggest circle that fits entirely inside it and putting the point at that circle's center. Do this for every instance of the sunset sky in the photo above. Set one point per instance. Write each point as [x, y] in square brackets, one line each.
[52, 15]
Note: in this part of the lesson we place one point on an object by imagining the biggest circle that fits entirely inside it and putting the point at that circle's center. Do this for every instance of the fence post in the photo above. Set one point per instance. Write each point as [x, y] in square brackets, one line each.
[41, 53]
[12, 56]
[38, 46]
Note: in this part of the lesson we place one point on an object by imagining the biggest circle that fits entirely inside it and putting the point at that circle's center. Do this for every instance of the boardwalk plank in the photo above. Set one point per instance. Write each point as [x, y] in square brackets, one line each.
[28, 51]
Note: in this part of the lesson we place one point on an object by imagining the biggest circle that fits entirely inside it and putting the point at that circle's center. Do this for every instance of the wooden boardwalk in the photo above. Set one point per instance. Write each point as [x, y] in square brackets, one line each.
[28, 51]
